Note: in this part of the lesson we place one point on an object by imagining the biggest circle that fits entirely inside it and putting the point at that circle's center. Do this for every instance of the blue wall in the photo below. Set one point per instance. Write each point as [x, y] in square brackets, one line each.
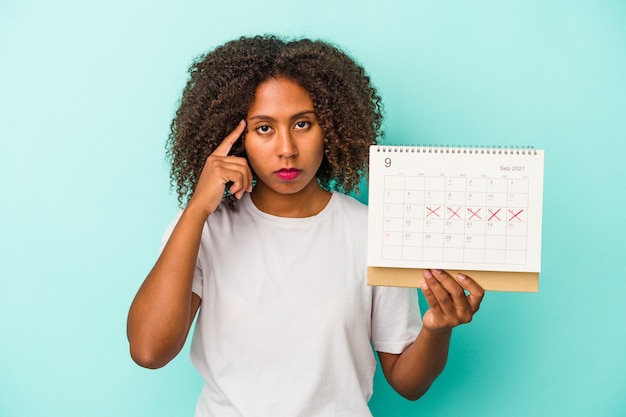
[87, 91]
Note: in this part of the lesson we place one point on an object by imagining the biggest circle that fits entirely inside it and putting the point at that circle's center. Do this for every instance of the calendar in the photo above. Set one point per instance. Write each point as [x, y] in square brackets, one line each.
[455, 208]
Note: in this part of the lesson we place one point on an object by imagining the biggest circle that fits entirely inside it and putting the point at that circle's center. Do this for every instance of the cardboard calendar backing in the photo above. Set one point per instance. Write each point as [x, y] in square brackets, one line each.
[489, 280]
[471, 210]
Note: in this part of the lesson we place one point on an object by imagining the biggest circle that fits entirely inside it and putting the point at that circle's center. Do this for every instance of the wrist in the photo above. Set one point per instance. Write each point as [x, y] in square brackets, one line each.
[437, 332]
[196, 212]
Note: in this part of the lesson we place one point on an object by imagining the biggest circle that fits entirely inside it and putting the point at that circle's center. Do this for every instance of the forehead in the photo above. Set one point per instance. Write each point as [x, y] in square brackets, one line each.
[280, 96]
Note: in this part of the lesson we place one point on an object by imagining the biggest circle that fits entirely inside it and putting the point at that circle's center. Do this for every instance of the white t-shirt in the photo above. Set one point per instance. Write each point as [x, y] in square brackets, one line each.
[287, 318]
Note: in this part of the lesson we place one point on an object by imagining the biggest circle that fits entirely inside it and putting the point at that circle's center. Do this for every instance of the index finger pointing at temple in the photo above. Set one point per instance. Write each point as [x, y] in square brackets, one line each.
[227, 144]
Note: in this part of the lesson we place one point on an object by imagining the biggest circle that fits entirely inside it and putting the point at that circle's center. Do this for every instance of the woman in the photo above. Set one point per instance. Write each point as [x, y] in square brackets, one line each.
[272, 254]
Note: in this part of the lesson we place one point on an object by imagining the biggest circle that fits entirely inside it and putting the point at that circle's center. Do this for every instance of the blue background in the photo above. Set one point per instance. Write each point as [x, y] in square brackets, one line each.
[87, 92]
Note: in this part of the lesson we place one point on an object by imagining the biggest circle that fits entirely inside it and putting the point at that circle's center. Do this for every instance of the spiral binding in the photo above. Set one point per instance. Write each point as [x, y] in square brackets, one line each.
[443, 149]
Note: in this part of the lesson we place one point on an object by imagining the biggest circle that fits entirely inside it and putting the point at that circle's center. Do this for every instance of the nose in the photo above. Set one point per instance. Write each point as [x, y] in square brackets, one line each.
[286, 145]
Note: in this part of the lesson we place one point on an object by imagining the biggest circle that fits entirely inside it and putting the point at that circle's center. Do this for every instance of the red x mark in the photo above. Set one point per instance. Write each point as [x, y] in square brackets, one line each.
[454, 213]
[432, 211]
[494, 214]
[474, 214]
[515, 215]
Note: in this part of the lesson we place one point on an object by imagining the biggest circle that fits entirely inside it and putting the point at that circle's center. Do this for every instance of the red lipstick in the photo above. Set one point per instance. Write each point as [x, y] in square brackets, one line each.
[288, 174]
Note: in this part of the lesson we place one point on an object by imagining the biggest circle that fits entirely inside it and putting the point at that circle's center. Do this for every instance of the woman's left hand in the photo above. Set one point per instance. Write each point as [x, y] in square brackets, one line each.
[448, 301]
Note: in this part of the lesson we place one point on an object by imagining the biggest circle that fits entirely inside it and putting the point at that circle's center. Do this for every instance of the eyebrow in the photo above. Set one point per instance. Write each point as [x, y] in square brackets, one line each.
[270, 118]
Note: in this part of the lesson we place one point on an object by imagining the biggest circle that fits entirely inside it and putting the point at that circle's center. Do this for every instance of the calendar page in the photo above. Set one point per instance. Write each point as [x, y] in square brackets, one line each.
[455, 208]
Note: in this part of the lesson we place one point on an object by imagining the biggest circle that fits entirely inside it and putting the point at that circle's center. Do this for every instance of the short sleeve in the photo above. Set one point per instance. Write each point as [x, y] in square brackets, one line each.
[198, 282]
[396, 318]
[196, 286]
[169, 229]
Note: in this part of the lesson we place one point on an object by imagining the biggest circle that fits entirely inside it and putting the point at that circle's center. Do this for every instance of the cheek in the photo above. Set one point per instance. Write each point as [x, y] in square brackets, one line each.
[320, 149]
[250, 148]
[253, 155]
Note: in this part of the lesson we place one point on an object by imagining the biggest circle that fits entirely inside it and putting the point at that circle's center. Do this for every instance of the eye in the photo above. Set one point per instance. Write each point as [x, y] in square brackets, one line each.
[264, 129]
[302, 124]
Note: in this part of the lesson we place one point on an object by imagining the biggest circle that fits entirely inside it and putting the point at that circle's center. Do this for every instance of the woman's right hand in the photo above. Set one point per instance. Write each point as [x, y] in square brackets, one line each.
[219, 170]
[165, 306]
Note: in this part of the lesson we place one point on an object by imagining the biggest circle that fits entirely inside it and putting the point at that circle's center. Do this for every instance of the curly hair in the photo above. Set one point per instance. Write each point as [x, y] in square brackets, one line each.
[221, 88]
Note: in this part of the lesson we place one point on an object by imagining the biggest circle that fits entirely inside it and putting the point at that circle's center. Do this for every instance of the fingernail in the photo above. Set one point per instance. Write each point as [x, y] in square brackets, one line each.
[427, 274]
[461, 277]
[437, 271]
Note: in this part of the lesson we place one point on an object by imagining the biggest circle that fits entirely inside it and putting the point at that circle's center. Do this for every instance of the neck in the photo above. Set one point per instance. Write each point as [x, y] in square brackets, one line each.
[305, 203]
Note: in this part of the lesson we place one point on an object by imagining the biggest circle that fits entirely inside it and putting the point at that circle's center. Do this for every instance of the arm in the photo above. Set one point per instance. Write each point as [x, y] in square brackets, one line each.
[413, 371]
[164, 308]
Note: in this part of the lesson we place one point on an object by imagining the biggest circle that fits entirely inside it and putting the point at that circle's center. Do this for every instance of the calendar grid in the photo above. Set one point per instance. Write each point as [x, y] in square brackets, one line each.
[455, 219]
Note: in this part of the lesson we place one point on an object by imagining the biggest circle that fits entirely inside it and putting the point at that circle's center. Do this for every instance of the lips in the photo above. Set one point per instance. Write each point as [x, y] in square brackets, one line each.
[287, 174]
